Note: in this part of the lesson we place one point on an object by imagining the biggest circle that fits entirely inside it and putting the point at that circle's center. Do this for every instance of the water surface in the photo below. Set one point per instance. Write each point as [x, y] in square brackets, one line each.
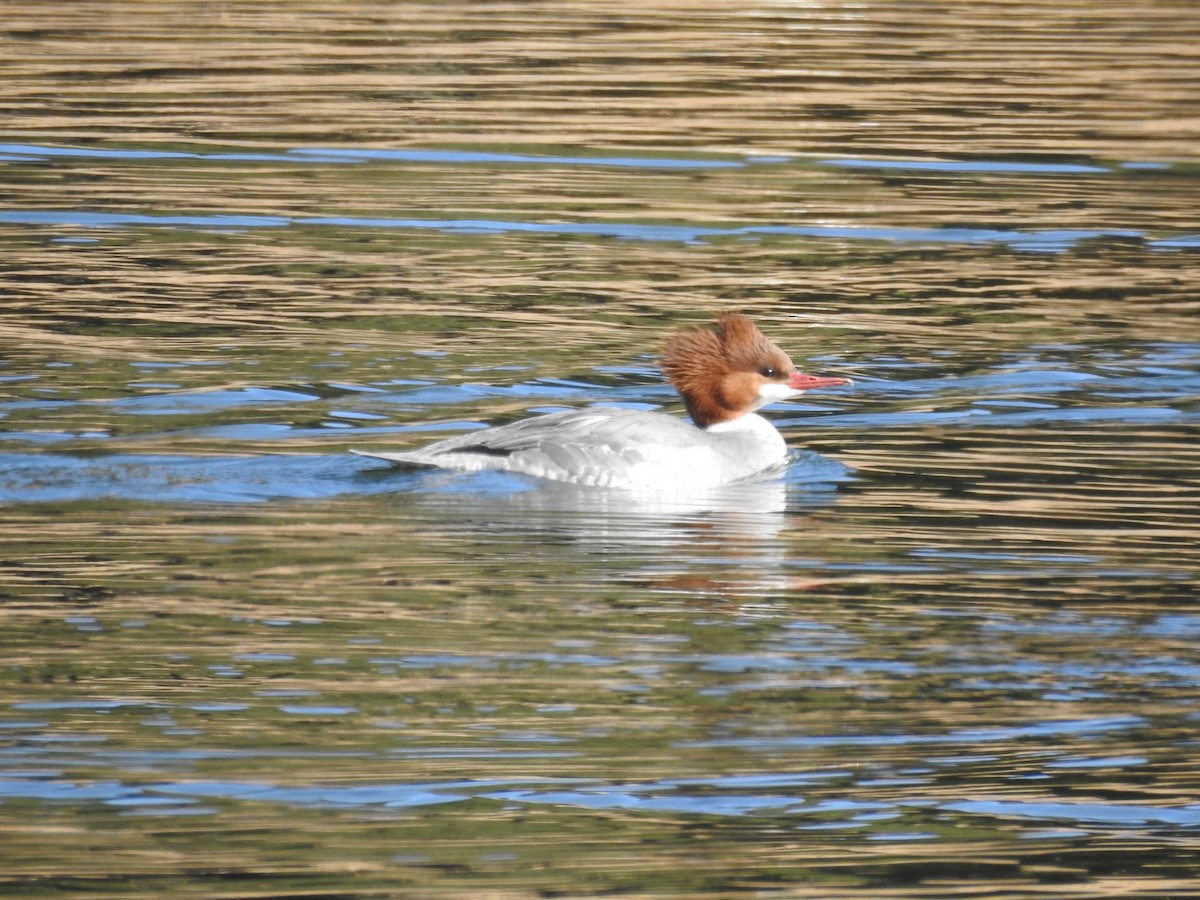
[955, 650]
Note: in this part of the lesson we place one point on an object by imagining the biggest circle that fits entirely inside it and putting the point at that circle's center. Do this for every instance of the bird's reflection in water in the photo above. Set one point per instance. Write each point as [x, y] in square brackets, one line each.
[736, 533]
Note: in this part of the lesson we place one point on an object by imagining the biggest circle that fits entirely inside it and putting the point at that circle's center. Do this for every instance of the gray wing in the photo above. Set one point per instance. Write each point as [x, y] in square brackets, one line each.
[585, 446]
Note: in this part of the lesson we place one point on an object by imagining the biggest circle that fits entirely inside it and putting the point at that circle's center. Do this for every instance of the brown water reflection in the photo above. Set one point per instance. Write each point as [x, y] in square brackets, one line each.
[238, 661]
[1012, 77]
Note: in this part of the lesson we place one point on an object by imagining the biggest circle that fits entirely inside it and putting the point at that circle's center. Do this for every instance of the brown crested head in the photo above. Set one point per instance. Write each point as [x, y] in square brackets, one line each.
[720, 372]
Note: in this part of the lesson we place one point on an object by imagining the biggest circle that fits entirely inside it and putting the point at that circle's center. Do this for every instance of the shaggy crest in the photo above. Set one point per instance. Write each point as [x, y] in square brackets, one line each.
[717, 371]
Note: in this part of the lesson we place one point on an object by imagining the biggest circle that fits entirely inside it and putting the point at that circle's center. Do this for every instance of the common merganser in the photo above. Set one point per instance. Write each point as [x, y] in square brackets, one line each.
[723, 375]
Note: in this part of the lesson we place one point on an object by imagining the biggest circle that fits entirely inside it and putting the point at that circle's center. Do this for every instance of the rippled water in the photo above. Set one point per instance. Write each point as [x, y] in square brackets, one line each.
[955, 651]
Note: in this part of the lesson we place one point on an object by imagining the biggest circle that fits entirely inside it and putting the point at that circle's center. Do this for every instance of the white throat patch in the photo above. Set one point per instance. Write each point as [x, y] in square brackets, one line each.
[773, 392]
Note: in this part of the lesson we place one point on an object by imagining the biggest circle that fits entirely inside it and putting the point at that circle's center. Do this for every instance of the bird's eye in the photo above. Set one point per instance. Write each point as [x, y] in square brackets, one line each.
[768, 372]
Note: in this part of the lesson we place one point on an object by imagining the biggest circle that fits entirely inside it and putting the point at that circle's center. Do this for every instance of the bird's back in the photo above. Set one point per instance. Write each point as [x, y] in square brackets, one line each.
[600, 446]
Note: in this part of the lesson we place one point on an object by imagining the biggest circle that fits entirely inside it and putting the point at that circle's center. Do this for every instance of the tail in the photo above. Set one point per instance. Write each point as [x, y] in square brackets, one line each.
[404, 459]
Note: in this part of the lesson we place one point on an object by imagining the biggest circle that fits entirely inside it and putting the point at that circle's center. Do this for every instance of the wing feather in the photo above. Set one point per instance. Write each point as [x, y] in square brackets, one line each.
[596, 446]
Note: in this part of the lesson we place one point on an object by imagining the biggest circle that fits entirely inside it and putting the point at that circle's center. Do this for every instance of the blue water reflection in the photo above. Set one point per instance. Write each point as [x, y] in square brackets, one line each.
[713, 796]
[1050, 241]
